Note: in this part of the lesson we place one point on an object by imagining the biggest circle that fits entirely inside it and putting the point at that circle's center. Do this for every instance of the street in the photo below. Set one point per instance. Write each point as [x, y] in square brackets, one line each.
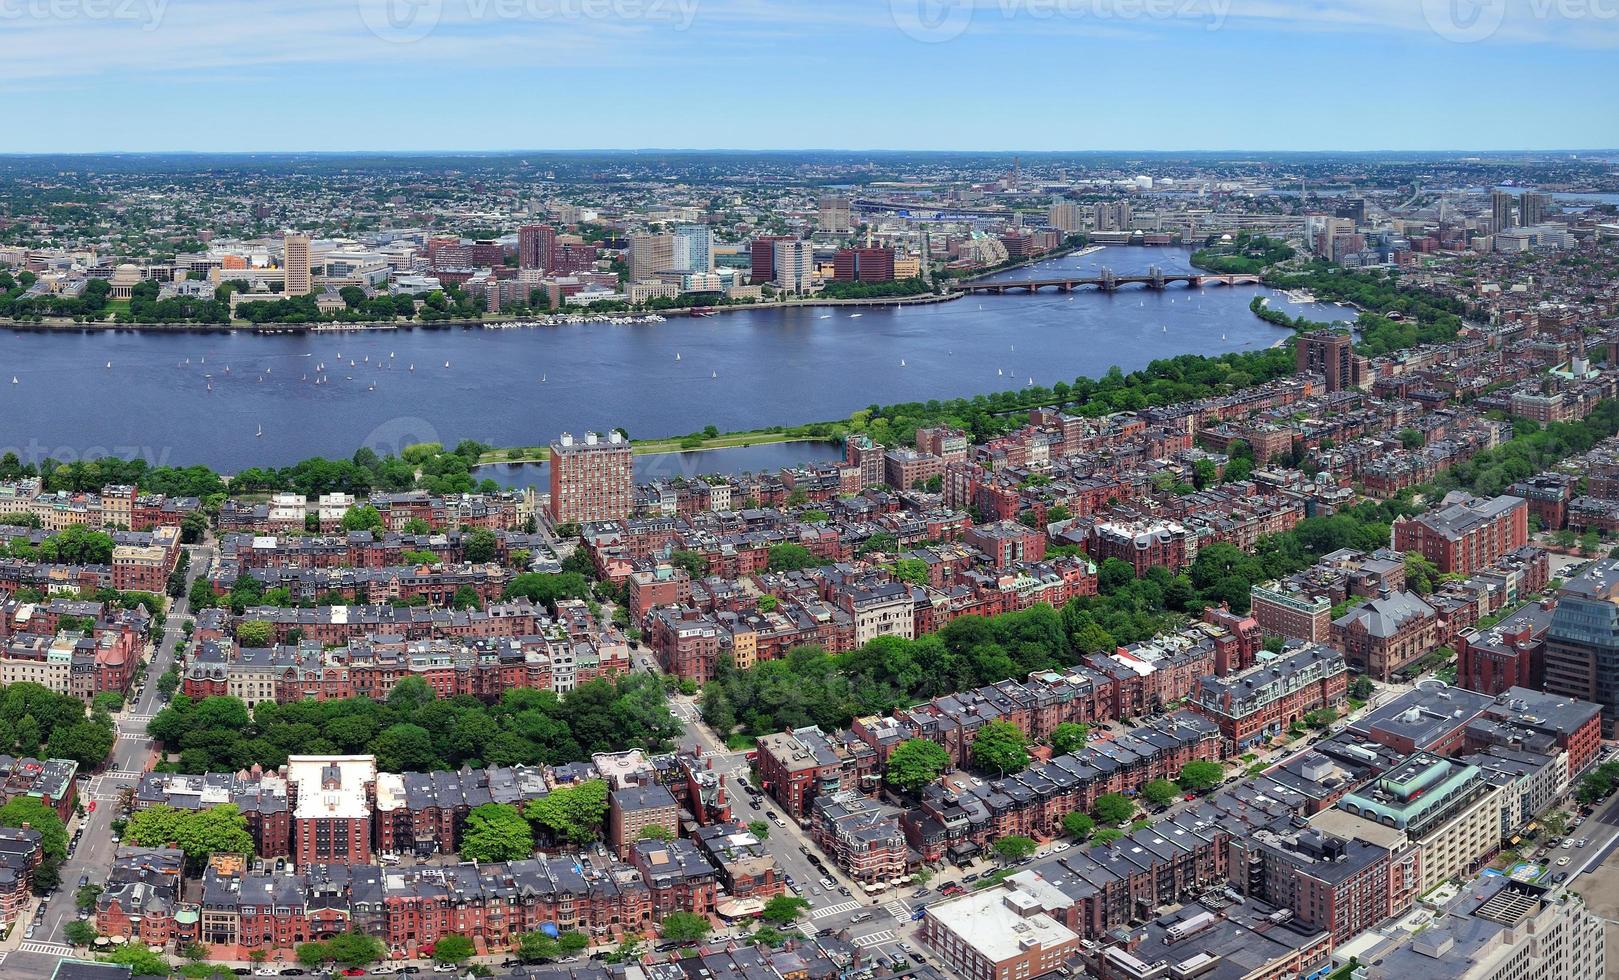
[37, 957]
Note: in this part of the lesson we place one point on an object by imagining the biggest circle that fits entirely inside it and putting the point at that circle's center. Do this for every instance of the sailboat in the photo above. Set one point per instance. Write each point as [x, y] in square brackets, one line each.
[902, 362]
[825, 316]
[390, 355]
[1166, 330]
[677, 355]
[260, 433]
[413, 367]
[542, 379]
[227, 369]
[109, 365]
[854, 316]
[1222, 336]
[446, 364]
[13, 379]
[713, 374]
[999, 373]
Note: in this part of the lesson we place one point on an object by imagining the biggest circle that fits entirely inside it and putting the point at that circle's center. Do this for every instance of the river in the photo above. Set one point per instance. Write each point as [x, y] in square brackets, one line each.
[177, 399]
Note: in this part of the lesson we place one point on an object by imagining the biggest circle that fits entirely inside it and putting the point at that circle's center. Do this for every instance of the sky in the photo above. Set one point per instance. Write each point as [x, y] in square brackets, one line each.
[267, 75]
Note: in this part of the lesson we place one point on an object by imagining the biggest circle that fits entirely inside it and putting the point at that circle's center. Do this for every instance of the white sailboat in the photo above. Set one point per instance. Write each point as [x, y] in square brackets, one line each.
[542, 379]
[260, 433]
[999, 373]
[677, 355]
[902, 362]
[713, 374]
[13, 379]
[856, 316]
[109, 365]
[446, 364]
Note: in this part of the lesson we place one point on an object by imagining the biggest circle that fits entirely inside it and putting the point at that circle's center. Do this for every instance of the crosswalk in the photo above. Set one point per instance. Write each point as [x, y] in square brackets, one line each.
[874, 939]
[837, 909]
[898, 910]
[46, 949]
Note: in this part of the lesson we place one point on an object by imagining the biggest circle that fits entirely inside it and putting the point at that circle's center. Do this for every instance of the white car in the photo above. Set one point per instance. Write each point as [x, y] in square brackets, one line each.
[1062, 846]
[1562, 862]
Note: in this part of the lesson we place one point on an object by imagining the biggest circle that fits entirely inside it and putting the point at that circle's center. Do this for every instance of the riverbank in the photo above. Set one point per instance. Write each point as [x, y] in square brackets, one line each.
[490, 322]
[673, 444]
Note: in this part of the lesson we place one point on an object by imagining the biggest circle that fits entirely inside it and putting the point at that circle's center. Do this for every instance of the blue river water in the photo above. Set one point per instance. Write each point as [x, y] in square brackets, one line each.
[233, 400]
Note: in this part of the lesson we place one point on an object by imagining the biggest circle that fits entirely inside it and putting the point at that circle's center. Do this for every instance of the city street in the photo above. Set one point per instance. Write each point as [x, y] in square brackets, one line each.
[93, 856]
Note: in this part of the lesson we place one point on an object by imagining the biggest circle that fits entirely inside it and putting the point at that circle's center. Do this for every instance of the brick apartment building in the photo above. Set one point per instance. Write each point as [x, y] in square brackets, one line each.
[1467, 534]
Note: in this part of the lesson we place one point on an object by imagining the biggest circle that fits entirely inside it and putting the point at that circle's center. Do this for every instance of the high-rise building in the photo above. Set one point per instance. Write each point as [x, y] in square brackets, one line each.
[650, 255]
[836, 216]
[863, 265]
[693, 249]
[536, 247]
[1532, 208]
[1329, 353]
[763, 253]
[795, 265]
[1066, 216]
[1500, 211]
[1582, 644]
[1113, 216]
[592, 480]
[298, 280]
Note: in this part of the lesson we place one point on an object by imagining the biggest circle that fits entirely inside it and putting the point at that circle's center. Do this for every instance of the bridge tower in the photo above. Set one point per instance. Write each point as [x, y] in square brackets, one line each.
[1109, 282]
[1155, 277]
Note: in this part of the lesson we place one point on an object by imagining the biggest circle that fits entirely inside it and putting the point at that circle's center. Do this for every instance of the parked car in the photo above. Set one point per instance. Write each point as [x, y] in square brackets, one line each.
[1582, 842]
[1562, 862]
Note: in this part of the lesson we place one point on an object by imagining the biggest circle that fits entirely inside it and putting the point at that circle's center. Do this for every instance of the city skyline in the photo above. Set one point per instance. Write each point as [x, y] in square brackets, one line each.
[1039, 74]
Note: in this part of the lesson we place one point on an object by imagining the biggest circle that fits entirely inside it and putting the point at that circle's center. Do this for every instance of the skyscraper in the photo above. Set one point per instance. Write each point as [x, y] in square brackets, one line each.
[591, 480]
[298, 281]
[835, 215]
[1500, 211]
[536, 247]
[1532, 208]
[694, 249]
[1329, 353]
[794, 262]
[651, 254]
[1582, 644]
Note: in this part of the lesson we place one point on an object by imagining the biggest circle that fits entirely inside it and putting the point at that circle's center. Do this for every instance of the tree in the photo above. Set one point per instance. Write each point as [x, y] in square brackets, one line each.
[1362, 688]
[536, 947]
[362, 518]
[684, 927]
[497, 832]
[480, 546]
[80, 933]
[215, 830]
[574, 814]
[141, 961]
[784, 910]
[759, 829]
[36, 814]
[195, 952]
[1199, 775]
[1000, 747]
[656, 831]
[355, 949]
[1069, 737]
[573, 942]
[1078, 825]
[1014, 848]
[791, 558]
[255, 633]
[915, 763]
[453, 948]
[312, 954]
[85, 898]
[1321, 717]
[1160, 791]
[1113, 808]
[1106, 835]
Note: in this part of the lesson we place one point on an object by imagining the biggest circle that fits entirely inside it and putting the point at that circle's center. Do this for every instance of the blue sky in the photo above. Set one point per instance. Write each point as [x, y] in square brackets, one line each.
[94, 75]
